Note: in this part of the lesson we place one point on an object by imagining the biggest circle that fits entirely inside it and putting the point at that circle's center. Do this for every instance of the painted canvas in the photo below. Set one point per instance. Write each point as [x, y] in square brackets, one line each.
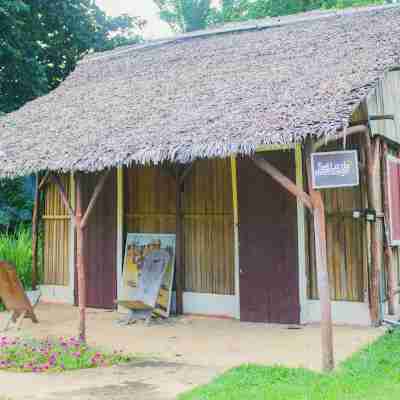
[149, 271]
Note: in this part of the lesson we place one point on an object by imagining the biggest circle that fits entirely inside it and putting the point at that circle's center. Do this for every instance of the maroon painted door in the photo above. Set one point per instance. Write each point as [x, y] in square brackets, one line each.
[101, 239]
[269, 287]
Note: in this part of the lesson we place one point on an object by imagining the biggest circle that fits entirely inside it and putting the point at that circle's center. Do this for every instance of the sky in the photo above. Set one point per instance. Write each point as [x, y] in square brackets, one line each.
[142, 8]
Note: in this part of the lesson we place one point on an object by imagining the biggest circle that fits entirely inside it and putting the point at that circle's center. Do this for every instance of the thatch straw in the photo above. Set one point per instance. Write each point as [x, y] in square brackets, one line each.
[209, 96]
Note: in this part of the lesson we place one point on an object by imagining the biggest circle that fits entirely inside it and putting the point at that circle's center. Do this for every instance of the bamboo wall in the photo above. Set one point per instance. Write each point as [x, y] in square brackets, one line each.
[150, 207]
[150, 200]
[56, 236]
[346, 243]
[208, 228]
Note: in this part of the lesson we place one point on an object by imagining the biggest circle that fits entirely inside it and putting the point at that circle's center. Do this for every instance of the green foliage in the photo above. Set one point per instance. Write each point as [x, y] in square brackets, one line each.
[64, 354]
[370, 374]
[15, 203]
[241, 10]
[190, 15]
[41, 42]
[185, 15]
[16, 248]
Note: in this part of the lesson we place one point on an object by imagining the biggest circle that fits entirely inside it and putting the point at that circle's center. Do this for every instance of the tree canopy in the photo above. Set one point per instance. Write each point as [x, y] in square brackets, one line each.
[190, 15]
[41, 42]
[185, 15]
[239, 10]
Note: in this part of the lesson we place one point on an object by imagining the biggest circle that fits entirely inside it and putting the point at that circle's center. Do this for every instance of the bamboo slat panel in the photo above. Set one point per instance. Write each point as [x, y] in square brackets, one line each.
[150, 207]
[150, 200]
[56, 236]
[345, 245]
[208, 228]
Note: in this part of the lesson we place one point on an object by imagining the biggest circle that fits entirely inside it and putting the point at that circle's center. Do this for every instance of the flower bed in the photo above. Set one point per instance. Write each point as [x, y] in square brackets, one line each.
[53, 355]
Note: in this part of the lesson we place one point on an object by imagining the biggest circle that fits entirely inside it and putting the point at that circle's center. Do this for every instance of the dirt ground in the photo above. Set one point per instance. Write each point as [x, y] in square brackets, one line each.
[173, 356]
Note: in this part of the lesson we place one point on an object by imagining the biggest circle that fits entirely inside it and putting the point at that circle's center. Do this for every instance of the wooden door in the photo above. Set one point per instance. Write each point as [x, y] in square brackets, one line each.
[101, 239]
[269, 283]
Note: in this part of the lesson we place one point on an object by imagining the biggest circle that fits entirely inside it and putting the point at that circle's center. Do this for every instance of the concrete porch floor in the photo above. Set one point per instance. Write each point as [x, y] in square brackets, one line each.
[179, 353]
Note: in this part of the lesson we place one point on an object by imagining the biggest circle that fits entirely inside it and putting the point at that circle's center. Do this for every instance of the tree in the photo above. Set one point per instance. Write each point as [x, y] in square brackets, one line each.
[41, 42]
[185, 15]
[241, 10]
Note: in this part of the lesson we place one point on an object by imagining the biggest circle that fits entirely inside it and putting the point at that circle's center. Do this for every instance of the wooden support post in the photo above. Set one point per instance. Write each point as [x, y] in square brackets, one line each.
[80, 219]
[180, 277]
[372, 152]
[181, 174]
[389, 260]
[328, 362]
[315, 204]
[80, 259]
[35, 225]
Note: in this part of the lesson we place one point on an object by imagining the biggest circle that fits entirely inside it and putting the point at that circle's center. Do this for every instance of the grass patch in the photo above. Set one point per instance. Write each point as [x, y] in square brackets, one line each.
[371, 374]
[52, 355]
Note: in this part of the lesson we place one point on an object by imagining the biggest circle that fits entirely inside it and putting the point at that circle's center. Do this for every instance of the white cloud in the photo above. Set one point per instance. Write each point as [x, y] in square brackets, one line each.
[142, 8]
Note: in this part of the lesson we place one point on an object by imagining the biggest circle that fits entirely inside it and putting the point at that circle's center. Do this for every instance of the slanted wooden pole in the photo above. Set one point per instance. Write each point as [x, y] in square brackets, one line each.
[321, 260]
[80, 219]
[353, 130]
[283, 180]
[372, 153]
[43, 182]
[35, 225]
[313, 201]
[389, 259]
[97, 190]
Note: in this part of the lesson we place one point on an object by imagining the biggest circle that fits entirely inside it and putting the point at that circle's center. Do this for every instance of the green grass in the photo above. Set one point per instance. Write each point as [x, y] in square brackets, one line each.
[50, 355]
[373, 373]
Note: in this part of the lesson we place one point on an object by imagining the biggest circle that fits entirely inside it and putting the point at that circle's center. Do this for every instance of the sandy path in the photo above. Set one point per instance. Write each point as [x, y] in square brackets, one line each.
[186, 352]
[152, 380]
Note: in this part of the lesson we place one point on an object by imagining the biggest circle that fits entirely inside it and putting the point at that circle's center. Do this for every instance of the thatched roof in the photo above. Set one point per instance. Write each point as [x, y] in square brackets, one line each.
[209, 96]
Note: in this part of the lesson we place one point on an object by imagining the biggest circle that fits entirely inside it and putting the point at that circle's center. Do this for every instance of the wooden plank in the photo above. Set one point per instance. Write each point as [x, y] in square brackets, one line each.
[55, 217]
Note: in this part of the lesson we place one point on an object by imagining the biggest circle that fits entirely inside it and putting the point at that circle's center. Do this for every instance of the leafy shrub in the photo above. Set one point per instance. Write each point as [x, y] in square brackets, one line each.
[16, 248]
[52, 355]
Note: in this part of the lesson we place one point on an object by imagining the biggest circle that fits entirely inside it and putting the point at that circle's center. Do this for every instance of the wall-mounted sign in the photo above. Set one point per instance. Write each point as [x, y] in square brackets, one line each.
[335, 169]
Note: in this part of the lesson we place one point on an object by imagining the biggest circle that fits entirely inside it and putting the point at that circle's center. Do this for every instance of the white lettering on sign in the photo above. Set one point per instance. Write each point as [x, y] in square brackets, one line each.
[332, 168]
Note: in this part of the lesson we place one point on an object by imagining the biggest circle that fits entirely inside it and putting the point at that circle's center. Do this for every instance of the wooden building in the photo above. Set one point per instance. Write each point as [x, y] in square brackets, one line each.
[209, 136]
